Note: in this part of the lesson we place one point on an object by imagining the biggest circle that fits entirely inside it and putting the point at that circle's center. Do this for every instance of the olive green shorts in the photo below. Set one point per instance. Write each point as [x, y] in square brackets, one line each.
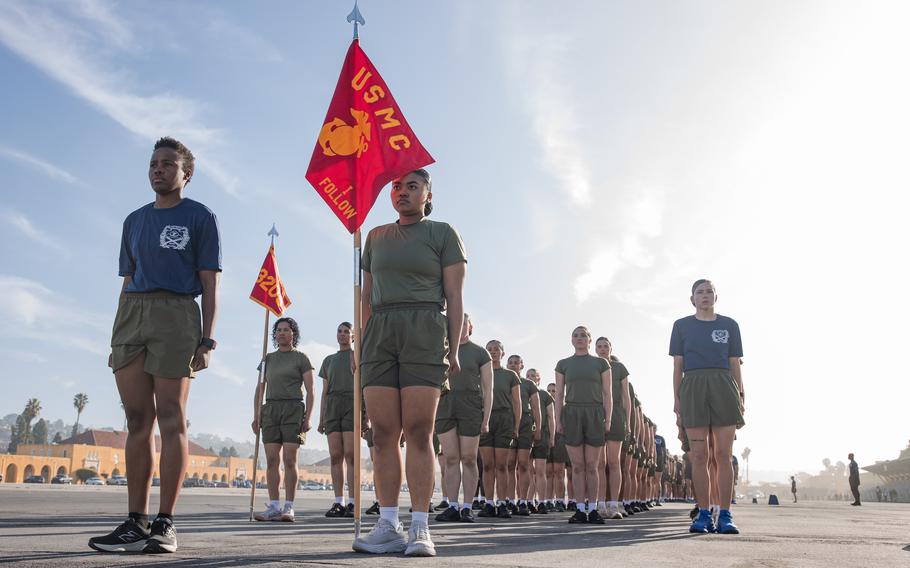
[462, 410]
[583, 424]
[709, 397]
[617, 431]
[339, 413]
[164, 325]
[368, 436]
[541, 451]
[558, 453]
[405, 346]
[281, 421]
[502, 423]
[525, 433]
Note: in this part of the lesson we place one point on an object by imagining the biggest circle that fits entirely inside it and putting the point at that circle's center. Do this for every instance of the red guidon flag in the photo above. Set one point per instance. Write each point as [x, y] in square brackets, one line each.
[364, 143]
[269, 291]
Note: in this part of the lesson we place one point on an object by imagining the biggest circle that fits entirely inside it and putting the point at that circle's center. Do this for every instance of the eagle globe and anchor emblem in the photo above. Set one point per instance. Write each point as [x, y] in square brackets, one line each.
[338, 138]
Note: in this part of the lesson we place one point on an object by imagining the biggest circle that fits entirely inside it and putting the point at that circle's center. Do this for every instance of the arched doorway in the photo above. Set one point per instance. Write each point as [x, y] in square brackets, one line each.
[46, 473]
[12, 473]
[223, 478]
[196, 475]
[61, 470]
[116, 472]
[28, 472]
[205, 477]
[262, 479]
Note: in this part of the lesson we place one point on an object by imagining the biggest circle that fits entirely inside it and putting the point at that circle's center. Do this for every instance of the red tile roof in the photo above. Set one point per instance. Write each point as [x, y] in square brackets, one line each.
[117, 439]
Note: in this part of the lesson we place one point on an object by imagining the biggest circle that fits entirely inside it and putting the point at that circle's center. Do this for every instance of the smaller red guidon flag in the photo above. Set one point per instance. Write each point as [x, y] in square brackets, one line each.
[269, 291]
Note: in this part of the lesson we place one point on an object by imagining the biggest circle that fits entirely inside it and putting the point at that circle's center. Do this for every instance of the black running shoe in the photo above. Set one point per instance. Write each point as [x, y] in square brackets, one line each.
[162, 537]
[572, 506]
[373, 510]
[475, 506]
[532, 509]
[488, 511]
[628, 510]
[337, 511]
[636, 509]
[513, 507]
[542, 509]
[466, 515]
[450, 515]
[550, 507]
[349, 511]
[128, 537]
[595, 518]
[444, 504]
[504, 512]
[523, 510]
[693, 513]
[659, 504]
[578, 517]
[559, 507]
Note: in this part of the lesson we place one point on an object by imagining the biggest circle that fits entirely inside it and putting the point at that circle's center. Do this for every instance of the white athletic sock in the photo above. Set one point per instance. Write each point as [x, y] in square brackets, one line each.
[275, 504]
[350, 500]
[453, 504]
[612, 504]
[466, 506]
[339, 500]
[451, 500]
[390, 514]
[483, 500]
[522, 502]
[289, 504]
[601, 504]
[423, 517]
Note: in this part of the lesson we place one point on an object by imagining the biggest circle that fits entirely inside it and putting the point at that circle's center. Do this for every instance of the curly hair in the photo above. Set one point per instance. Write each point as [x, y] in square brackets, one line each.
[189, 161]
[295, 329]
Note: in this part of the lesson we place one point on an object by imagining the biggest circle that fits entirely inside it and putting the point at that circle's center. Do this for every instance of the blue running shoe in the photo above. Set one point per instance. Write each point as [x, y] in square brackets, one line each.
[725, 523]
[703, 524]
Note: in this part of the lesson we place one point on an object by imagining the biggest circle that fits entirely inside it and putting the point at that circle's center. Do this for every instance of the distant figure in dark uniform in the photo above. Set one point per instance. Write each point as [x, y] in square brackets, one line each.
[854, 480]
[878, 493]
[793, 487]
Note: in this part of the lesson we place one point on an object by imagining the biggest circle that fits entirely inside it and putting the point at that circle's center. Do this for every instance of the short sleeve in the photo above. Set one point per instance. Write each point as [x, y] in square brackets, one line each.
[305, 364]
[561, 367]
[484, 357]
[604, 365]
[208, 244]
[676, 342]
[127, 263]
[619, 371]
[513, 380]
[367, 254]
[452, 248]
[736, 340]
[324, 369]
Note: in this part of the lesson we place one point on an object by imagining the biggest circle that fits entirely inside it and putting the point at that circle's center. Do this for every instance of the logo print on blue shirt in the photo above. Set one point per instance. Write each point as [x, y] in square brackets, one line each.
[720, 335]
[175, 237]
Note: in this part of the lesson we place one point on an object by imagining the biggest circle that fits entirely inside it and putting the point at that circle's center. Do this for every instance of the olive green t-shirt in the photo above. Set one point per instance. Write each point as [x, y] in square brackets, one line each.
[406, 261]
[583, 382]
[528, 388]
[503, 381]
[284, 374]
[546, 405]
[471, 357]
[619, 372]
[336, 369]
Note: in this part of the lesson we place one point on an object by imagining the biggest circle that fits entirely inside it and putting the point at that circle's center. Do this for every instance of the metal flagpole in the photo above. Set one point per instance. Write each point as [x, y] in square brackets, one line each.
[356, 18]
[261, 391]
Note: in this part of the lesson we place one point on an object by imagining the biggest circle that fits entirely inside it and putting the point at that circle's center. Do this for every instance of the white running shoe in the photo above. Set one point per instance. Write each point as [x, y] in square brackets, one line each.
[385, 537]
[614, 513]
[419, 541]
[287, 513]
[270, 514]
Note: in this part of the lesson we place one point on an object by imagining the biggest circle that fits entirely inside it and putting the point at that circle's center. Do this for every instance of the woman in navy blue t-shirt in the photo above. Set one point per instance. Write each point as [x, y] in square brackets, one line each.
[708, 390]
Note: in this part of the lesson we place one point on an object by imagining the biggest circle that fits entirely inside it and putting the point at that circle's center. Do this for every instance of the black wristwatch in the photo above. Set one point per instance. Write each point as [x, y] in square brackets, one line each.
[208, 342]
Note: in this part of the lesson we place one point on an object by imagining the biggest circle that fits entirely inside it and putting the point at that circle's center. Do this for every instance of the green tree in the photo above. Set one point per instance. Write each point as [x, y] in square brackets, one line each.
[16, 434]
[224, 452]
[233, 452]
[39, 432]
[32, 410]
[84, 474]
[80, 401]
[58, 437]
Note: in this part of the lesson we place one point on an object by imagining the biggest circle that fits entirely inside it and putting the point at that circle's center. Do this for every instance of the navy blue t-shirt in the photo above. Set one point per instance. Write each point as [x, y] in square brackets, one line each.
[706, 344]
[660, 448]
[164, 249]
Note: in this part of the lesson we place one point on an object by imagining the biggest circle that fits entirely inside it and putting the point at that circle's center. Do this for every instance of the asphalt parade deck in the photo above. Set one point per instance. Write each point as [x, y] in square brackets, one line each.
[50, 526]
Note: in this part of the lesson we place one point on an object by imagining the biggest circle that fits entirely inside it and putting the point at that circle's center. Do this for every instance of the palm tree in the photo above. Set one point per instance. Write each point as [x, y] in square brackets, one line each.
[79, 401]
[746, 453]
[32, 410]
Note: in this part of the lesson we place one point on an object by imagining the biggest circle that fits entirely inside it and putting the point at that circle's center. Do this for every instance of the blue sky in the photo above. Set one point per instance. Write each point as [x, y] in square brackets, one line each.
[596, 157]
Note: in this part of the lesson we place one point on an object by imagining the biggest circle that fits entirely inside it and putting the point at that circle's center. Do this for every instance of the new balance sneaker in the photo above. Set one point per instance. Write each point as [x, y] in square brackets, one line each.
[385, 537]
[578, 517]
[271, 513]
[349, 511]
[560, 507]
[595, 518]
[287, 513]
[614, 513]
[450, 515]
[162, 537]
[542, 509]
[532, 509]
[373, 510]
[703, 524]
[336, 511]
[466, 515]
[488, 511]
[550, 507]
[419, 541]
[572, 506]
[513, 507]
[725, 523]
[128, 537]
[503, 512]
[443, 505]
[523, 510]
[627, 507]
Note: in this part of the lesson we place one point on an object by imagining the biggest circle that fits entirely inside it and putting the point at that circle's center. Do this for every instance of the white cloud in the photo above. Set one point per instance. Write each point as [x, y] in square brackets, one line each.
[72, 56]
[47, 168]
[113, 28]
[221, 370]
[242, 42]
[27, 228]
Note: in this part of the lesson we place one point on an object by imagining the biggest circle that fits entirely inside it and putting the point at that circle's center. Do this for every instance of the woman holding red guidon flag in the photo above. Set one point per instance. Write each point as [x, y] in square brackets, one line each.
[413, 269]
